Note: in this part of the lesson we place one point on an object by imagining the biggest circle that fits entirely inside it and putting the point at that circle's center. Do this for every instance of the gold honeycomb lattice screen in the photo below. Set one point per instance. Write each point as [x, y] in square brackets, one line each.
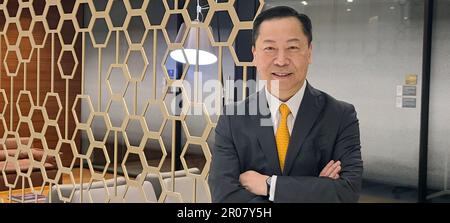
[44, 77]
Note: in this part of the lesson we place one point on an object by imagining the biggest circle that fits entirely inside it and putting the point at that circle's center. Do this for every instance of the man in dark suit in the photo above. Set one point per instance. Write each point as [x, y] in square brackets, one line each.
[300, 144]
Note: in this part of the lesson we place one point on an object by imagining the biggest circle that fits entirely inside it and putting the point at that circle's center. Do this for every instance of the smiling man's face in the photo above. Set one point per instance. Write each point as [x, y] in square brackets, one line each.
[282, 53]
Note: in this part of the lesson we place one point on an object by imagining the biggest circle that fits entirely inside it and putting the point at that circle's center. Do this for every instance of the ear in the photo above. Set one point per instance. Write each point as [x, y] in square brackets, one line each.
[310, 53]
[254, 53]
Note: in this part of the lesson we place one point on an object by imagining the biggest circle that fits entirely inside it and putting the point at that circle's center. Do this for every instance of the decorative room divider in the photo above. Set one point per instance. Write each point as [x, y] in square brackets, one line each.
[43, 91]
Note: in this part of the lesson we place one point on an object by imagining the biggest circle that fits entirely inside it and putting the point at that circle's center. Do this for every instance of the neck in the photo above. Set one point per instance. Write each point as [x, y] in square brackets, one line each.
[285, 95]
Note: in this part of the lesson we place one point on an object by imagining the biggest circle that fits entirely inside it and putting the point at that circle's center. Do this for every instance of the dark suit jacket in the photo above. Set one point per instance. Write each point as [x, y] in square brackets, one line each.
[325, 129]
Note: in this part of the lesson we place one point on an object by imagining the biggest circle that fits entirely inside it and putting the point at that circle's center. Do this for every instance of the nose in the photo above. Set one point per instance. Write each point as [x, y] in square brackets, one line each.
[281, 59]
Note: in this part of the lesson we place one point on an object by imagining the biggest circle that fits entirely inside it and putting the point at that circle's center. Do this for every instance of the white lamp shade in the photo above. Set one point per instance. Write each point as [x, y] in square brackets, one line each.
[205, 57]
[206, 51]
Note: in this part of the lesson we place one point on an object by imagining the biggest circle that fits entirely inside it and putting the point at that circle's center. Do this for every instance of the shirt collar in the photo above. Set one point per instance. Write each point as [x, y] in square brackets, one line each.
[293, 103]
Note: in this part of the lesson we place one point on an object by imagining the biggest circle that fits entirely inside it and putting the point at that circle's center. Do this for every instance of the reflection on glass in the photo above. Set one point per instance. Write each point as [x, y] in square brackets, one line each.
[362, 50]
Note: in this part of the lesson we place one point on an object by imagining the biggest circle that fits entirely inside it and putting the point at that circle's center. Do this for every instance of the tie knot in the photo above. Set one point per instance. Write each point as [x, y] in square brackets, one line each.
[284, 110]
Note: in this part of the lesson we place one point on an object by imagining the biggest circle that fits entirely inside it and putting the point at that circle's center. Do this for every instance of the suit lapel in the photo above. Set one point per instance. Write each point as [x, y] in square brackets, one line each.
[310, 108]
[265, 133]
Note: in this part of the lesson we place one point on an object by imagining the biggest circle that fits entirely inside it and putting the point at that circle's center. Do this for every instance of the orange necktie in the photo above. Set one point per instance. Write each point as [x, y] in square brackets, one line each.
[282, 136]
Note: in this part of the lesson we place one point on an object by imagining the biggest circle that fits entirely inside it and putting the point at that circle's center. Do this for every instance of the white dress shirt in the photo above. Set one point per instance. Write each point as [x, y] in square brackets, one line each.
[274, 104]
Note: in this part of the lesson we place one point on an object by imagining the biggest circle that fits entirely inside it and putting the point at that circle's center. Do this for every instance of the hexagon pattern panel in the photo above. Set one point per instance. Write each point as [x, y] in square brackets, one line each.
[122, 141]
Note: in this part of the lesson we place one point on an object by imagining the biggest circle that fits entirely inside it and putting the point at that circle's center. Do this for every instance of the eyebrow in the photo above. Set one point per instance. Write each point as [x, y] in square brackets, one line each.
[290, 40]
[294, 40]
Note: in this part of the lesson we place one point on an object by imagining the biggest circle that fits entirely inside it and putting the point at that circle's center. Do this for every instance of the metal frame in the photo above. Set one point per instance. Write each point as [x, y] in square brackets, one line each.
[424, 113]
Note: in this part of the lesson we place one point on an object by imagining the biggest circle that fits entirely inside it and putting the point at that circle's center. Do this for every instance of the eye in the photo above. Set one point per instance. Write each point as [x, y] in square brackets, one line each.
[269, 48]
[294, 48]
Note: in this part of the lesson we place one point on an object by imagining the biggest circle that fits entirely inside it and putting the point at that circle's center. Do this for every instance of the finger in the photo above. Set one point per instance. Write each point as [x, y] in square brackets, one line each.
[336, 177]
[332, 168]
[243, 183]
[335, 171]
[325, 169]
[241, 178]
[337, 163]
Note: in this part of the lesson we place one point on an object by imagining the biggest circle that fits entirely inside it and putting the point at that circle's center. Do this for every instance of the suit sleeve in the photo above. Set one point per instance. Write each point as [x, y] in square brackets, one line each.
[225, 170]
[322, 189]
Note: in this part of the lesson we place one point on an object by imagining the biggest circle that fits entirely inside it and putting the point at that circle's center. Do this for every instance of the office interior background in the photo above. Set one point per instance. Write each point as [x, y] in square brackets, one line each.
[87, 86]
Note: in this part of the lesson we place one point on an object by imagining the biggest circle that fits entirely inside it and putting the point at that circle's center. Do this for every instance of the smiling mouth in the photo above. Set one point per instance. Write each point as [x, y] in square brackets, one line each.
[281, 75]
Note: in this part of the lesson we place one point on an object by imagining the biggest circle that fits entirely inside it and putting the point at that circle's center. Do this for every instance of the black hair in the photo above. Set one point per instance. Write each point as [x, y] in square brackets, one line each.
[282, 12]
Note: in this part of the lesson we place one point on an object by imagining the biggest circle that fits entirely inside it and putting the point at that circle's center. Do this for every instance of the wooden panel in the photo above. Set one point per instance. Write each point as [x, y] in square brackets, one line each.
[30, 82]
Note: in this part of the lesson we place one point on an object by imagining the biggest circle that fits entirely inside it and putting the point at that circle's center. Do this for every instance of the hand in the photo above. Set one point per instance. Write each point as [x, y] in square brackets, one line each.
[254, 182]
[331, 170]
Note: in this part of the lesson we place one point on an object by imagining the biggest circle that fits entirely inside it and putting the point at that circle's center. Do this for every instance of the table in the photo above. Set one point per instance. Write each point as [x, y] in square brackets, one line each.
[4, 195]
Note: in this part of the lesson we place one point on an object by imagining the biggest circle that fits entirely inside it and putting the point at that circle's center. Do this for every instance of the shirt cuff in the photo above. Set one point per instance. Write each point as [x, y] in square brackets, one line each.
[273, 183]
